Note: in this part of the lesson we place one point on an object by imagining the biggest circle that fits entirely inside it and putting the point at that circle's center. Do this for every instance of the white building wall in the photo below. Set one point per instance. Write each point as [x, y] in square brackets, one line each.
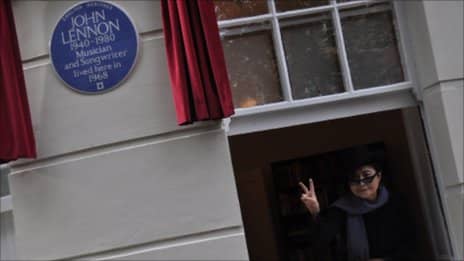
[436, 33]
[115, 176]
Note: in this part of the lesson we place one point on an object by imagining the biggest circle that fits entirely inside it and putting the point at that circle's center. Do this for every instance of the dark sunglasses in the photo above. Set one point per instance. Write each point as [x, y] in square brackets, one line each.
[366, 180]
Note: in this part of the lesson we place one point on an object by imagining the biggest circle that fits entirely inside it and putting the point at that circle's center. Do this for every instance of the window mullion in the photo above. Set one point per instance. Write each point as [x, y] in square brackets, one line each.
[243, 21]
[359, 3]
[402, 45]
[280, 54]
[303, 11]
[343, 56]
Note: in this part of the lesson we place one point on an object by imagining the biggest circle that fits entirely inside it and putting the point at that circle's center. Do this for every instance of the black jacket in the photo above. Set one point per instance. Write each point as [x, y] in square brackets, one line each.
[389, 228]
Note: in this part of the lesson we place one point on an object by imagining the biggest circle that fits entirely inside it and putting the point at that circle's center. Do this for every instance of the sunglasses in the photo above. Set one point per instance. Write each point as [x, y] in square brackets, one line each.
[366, 180]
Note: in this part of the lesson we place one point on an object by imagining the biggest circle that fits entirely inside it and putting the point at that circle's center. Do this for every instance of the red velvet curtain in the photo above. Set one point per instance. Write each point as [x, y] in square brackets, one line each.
[16, 137]
[198, 74]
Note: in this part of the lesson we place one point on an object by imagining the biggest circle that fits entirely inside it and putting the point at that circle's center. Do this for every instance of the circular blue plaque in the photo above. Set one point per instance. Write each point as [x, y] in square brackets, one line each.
[94, 47]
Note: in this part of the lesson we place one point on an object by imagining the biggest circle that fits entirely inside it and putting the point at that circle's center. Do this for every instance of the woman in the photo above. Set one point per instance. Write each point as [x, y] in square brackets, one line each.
[370, 220]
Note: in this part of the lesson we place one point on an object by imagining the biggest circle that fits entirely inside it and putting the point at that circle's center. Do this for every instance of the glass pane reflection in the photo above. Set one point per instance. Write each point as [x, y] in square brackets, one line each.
[252, 68]
[371, 46]
[311, 56]
[287, 5]
[229, 9]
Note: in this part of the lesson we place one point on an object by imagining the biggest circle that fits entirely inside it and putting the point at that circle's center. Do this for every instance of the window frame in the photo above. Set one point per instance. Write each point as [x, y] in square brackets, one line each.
[334, 9]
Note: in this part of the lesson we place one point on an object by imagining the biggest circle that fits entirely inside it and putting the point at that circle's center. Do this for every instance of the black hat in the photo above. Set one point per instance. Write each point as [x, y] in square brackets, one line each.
[370, 154]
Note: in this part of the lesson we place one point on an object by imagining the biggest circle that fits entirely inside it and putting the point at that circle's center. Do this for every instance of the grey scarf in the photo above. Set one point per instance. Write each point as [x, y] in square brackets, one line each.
[357, 243]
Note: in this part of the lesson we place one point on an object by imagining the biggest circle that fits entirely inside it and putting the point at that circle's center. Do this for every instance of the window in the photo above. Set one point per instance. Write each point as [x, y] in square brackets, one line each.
[284, 53]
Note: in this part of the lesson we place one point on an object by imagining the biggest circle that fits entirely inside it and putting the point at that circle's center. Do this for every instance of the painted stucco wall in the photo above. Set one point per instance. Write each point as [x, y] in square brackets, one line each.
[436, 36]
[115, 177]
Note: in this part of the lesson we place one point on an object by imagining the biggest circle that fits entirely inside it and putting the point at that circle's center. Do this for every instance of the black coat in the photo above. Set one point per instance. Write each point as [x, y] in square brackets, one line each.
[389, 230]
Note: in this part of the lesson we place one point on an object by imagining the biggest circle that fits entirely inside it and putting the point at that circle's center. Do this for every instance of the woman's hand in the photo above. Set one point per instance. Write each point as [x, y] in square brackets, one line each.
[309, 198]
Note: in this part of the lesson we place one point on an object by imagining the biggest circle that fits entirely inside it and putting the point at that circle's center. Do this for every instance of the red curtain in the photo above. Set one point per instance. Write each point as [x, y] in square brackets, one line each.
[198, 74]
[16, 137]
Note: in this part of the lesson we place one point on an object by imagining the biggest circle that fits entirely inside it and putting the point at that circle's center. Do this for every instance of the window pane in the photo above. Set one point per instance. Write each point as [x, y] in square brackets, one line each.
[371, 46]
[4, 188]
[252, 68]
[228, 9]
[287, 5]
[311, 54]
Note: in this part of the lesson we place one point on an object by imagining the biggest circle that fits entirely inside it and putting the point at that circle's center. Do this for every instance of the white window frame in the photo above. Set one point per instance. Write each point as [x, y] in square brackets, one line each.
[404, 88]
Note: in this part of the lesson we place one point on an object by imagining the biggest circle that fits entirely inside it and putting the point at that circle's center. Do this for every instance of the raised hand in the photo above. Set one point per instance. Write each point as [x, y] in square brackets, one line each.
[309, 198]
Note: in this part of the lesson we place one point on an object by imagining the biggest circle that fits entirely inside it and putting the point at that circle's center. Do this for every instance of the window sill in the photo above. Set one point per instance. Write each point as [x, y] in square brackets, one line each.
[291, 113]
[283, 105]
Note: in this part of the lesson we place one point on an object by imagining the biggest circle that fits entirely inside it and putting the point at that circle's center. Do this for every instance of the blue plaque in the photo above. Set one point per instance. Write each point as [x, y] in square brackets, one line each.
[94, 47]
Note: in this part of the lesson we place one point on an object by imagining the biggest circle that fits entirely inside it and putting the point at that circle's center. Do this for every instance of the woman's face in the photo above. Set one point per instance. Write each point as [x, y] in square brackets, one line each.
[365, 182]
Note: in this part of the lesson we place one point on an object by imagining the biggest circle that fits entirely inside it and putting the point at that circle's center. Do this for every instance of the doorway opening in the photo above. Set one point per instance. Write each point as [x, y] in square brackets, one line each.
[269, 164]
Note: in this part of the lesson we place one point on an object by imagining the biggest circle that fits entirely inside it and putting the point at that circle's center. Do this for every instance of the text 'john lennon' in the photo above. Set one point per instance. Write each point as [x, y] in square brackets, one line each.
[85, 26]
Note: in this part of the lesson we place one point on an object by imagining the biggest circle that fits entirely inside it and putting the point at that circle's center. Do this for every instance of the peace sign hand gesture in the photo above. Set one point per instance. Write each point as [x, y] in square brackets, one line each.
[309, 198]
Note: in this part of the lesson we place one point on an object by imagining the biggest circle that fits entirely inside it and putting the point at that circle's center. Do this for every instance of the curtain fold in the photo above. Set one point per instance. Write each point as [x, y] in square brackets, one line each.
[198, 74]
[16, 136]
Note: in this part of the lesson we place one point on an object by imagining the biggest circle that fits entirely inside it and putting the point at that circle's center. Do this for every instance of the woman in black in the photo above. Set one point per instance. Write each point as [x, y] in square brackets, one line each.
[371, 223]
